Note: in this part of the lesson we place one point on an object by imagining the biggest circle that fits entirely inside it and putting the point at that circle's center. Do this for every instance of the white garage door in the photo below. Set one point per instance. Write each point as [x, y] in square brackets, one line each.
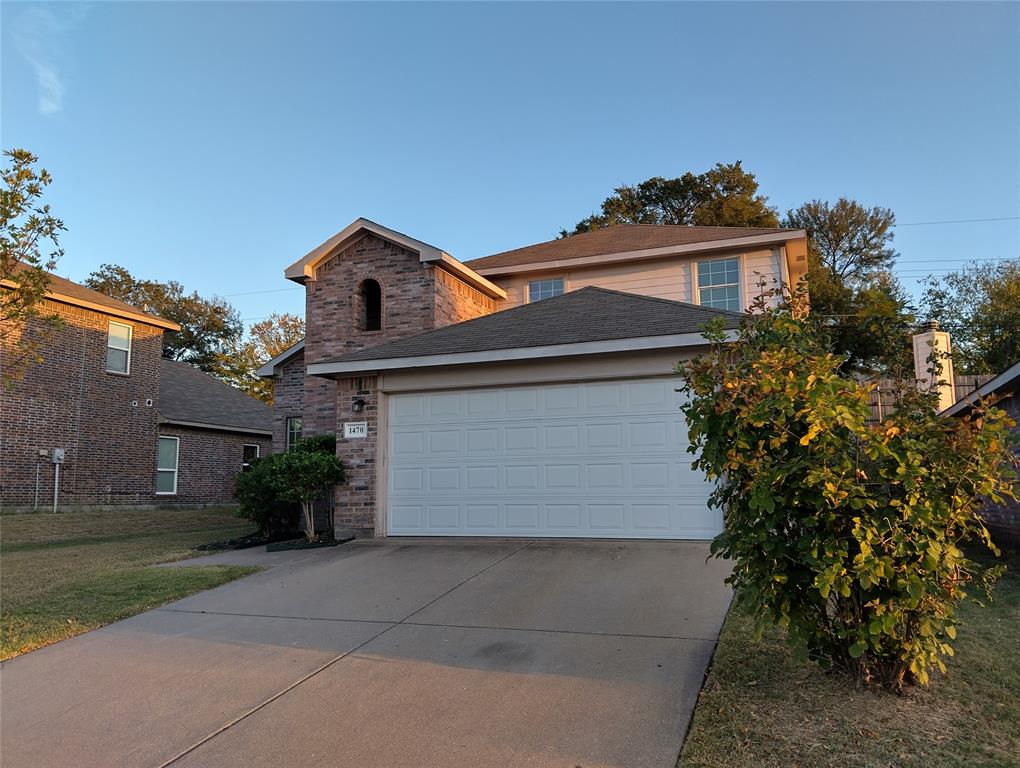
[605, 459]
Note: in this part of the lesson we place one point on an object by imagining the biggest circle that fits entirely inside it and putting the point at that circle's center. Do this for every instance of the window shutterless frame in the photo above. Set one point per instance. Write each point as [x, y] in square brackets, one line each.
[167, 455]
[717, 283]
[545, 289]
[249, 452]
[294, 426]
[118, 348]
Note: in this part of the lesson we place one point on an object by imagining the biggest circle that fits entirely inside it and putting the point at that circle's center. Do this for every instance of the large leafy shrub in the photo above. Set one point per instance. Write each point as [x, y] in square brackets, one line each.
[271, 491]
[257, 489]
[847, 534]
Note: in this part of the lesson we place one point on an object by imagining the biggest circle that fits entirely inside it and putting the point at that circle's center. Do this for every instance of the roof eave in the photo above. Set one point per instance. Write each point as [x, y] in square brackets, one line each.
[139, 316]
[776, 238]
[342, 368]
[1008, 376]
[216, 427]
[268, 369]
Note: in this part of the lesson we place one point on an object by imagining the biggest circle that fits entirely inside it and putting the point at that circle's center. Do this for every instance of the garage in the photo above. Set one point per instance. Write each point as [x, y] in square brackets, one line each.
[593, 459]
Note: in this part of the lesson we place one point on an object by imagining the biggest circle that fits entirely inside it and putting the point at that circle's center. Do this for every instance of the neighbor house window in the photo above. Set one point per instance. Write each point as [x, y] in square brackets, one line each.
[118, 348]
[545, 289]
[249, 452]
[719, 284]
[370, 295]
[166, 466]
[293, 432]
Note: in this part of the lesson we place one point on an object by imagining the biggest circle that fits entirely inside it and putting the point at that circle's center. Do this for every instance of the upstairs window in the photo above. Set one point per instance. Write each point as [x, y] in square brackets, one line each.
[719, 284]
[544, 289]
[370, 295]
[118, 348]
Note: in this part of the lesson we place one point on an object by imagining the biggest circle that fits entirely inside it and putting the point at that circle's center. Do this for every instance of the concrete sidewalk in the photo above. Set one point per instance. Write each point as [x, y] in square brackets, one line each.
[403, 652]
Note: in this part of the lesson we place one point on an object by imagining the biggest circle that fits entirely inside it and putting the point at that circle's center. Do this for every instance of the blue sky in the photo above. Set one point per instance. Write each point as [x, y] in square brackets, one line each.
[215, 143]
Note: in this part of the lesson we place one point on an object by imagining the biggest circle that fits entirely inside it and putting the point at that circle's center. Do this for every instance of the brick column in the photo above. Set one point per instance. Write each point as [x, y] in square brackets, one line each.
[356, 500]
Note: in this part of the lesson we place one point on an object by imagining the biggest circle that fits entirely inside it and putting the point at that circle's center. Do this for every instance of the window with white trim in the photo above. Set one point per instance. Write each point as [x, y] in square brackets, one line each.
[249, 452]
[118, 348]
[544, 289]
[293, 431]
[719, 284]
[166, 466]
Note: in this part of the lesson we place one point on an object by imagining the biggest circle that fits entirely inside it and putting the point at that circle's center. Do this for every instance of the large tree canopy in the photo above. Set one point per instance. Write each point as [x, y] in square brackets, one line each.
[29, 246]
[854, 296]
[237, 363]
[852, 242]
[980, 307]
[208, 326]
[725, 196]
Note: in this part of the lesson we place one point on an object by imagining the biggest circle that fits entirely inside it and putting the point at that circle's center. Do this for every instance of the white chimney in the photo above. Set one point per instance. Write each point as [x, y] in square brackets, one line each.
[933, 367]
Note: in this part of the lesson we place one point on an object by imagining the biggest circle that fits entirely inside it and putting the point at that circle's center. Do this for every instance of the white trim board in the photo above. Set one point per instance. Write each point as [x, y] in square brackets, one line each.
[517, 353]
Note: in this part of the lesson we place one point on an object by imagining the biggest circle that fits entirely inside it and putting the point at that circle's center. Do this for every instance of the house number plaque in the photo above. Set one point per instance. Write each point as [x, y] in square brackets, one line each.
[356, 429]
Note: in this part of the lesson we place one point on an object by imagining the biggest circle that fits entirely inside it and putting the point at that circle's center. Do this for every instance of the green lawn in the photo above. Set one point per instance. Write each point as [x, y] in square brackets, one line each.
[64, 574]
[761, 708]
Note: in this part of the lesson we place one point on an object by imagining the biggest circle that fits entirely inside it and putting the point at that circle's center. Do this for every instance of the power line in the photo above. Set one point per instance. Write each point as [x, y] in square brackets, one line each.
[956, 221]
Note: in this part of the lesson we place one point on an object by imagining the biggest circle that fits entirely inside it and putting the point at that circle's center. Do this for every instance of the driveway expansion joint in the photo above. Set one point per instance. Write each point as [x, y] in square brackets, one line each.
[328, 664]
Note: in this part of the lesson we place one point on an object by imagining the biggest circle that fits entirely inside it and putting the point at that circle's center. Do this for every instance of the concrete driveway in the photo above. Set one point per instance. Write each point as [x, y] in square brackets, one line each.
[412, 653]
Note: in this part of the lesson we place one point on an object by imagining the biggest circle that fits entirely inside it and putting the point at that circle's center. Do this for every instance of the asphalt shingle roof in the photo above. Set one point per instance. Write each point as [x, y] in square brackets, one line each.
[588, 314]
[188, 394]
[620, 238]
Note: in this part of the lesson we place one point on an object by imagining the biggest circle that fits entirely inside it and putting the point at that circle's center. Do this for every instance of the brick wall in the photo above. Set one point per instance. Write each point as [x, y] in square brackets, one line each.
[415, 298]
[356, 500]
[69, 401]
[456, 301]
[208, 462]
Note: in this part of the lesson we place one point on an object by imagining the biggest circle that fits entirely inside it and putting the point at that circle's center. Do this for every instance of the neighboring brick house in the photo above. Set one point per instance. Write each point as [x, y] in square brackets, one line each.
[1002, 520]
[529, 393]
[213, 429]
[98, 395]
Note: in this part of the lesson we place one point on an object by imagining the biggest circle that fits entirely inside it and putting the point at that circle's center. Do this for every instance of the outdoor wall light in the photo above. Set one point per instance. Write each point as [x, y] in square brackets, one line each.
[358, 405]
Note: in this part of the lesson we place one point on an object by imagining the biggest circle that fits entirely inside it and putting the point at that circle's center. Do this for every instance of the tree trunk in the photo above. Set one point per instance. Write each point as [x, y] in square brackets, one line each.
[308, 508]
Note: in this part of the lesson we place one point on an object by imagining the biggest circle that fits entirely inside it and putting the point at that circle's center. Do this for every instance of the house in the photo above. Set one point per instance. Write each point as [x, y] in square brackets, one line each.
[527, 393]
[1002, 520]
[105, 420]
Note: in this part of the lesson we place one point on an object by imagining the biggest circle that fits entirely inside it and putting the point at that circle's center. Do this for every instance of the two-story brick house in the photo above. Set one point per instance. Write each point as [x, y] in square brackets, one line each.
[131, 427]
[527, 393]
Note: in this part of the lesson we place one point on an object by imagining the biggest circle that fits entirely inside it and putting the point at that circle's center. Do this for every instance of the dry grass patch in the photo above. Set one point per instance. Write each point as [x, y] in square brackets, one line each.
[762, 708]
[64, 574]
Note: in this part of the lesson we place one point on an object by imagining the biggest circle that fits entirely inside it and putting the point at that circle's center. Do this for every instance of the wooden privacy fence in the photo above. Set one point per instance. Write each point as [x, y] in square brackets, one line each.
[884, 397]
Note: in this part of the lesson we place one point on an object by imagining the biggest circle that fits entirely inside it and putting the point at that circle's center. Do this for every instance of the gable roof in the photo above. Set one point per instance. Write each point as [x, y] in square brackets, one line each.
[268, 368]
[304, 268]
[190, 397]
[574, 320]
[632, 239]
[63, 290]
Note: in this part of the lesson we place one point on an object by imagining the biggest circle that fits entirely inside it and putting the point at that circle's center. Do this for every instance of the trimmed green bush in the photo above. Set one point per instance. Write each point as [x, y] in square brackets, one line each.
[847, 534]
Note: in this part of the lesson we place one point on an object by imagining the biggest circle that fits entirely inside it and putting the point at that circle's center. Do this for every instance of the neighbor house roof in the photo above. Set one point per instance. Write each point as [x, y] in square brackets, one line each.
[1007, 382]
[66, 292]
[190, 397]
[631, 240]
[304, 268]
[585, 321]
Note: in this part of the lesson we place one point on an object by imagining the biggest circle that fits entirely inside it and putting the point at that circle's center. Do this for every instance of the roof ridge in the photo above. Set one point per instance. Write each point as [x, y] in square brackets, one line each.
[661, 299]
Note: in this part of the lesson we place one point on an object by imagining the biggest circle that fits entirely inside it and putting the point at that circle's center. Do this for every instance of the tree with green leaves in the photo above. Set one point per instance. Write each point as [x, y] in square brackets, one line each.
[855, 298]
[851, 536]
[208, 325]
[980, 307]
[725, 196]
[266, 339]
[29, 249]
[304, 475]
